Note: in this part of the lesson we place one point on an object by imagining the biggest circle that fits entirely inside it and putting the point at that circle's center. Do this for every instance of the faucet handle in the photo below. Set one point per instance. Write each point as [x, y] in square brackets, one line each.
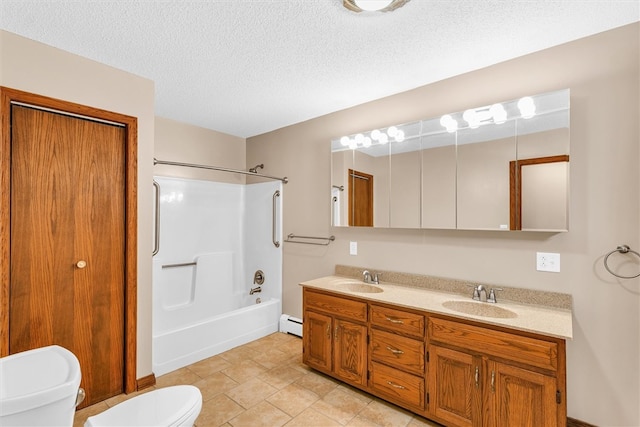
[476, 292]
[492, 295]
[376, 278]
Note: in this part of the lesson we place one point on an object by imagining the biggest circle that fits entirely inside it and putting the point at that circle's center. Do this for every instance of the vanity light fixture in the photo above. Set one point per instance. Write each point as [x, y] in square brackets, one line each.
[375, 136]
[373, 5]
[483, 115]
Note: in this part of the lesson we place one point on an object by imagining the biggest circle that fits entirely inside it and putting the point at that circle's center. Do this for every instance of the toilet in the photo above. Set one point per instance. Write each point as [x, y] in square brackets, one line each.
[172, 406]
[40, 387]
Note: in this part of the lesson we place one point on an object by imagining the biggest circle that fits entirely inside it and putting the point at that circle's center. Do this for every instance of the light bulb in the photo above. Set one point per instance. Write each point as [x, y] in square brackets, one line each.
[344, 141]
[498, 113]
[449, 123]
[359, 138]
[375, 134]
[527, 107]
[400, 136]
[372, 5]
[469, 116]
[366, 142]
[392, 131]
[383, 138]
[352, 144]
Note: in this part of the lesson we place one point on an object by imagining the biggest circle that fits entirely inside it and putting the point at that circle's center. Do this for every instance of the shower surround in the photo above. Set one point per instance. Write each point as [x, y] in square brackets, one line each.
[213, 238]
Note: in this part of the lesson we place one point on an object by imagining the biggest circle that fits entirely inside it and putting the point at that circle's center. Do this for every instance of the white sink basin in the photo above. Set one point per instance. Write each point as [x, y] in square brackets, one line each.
[361, 287]
[482, 309]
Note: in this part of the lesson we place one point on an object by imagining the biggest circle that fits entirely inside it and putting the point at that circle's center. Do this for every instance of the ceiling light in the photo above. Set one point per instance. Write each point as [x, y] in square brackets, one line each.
[373, 5]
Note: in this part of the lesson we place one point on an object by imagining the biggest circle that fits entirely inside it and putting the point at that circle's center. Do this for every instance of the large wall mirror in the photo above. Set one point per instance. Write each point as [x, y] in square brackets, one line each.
[503, 166]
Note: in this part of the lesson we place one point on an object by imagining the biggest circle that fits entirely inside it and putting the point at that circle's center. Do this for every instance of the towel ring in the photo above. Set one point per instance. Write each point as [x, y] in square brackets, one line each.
[624, 249]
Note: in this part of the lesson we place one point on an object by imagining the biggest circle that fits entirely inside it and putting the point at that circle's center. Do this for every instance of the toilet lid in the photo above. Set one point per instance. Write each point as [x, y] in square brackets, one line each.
[163, 407]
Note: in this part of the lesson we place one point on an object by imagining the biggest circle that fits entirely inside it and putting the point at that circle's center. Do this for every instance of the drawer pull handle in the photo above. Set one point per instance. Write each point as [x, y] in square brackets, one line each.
[493, 381]
[335, 334]
[394, 385]
[328, 332]
[394, 350]
[394, 320]
[477, 377]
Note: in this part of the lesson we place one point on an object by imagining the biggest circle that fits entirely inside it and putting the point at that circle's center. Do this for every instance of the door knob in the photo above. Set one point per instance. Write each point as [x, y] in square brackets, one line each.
[81, 264]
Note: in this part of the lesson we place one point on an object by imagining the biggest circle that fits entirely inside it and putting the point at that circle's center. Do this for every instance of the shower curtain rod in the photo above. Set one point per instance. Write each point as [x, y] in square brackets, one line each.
[218, 168]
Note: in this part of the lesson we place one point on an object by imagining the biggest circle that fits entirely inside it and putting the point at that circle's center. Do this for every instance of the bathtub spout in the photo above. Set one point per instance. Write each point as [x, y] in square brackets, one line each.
[255, 290]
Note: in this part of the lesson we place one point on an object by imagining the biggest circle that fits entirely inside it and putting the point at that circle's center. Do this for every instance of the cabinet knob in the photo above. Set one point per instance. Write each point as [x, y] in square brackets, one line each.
[81, 264]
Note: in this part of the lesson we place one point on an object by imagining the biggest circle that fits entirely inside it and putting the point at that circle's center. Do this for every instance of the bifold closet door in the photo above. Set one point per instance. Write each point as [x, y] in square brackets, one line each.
[67, 242]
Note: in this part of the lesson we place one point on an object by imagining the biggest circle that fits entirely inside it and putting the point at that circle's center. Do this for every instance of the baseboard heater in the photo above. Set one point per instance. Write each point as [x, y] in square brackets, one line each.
[291, 325]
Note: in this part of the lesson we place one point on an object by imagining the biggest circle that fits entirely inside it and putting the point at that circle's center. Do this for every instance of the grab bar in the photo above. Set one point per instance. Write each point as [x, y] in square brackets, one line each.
[293, 236]
[156, 243]
[276, 243]
[182, 264]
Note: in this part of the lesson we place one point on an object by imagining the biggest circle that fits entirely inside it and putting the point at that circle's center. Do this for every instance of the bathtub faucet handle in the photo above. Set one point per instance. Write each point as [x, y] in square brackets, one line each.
[255, 290]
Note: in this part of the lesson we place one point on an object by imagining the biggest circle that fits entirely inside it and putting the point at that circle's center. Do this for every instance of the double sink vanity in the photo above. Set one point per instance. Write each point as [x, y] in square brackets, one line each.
[424, 344]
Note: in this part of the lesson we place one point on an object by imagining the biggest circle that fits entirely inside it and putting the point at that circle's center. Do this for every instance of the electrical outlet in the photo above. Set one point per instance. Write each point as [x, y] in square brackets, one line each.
[547, 261]
[353, 248]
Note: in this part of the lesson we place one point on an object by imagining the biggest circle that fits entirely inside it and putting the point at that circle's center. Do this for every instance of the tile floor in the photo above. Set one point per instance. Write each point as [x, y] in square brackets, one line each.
[264, 383]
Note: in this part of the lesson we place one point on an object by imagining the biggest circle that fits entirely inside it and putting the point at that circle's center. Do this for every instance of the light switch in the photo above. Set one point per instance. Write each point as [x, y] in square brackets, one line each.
[353, 248]
[547, 261]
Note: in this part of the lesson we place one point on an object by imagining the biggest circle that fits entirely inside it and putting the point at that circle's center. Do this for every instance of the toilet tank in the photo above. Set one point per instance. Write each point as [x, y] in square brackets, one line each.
[39, 387]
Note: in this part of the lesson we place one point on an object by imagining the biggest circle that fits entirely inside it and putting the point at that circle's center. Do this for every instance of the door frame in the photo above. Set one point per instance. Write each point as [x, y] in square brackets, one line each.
[515, 185]
[9, 96]
[354, 206]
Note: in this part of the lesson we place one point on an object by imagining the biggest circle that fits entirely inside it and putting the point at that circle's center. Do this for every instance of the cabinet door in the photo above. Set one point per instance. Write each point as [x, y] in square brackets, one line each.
[350, 351]
[317, 340]
[519, 397]
[454, 387]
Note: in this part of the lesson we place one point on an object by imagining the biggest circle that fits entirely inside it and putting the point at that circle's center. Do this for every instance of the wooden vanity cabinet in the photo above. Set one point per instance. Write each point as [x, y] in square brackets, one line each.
[486, 377]
[456, 372]
[397, 356]
[335, 336]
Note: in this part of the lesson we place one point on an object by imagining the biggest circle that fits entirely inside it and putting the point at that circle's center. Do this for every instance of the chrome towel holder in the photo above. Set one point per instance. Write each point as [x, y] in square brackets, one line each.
[327, 240]
[623, 249]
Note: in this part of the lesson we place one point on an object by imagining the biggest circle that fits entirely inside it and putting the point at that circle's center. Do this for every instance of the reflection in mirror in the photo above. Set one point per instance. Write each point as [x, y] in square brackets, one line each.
[499, 167]
[438, 157]
[483, 160]
[404, 178]
[540, 175]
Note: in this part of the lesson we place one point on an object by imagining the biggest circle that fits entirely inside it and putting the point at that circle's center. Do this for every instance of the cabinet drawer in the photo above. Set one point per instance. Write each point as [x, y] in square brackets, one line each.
[535, 352]
[397, 385]
[397, 320]
[340, 306]
[401, 352]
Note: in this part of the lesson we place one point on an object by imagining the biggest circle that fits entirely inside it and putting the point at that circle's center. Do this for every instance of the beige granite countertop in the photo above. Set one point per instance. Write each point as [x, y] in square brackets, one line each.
[544, 320]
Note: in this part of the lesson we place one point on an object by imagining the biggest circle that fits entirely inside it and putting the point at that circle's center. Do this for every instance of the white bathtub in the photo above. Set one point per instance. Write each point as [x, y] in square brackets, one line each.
[213, 238]
[181, 347]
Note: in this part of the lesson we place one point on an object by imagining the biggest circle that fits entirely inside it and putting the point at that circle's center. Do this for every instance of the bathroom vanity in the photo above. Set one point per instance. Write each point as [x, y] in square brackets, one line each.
[440, 354]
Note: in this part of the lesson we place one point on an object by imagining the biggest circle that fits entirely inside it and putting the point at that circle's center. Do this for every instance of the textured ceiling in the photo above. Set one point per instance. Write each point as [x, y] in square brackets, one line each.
[245, 67]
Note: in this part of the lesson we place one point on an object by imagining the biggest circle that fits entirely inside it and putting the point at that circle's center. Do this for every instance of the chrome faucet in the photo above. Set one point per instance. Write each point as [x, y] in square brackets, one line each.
[255, 290]
[477, 293]
[368, 277]
[488, 297]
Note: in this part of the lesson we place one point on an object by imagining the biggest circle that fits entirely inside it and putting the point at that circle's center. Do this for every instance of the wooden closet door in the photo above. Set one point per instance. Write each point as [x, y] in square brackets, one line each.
[67, 242]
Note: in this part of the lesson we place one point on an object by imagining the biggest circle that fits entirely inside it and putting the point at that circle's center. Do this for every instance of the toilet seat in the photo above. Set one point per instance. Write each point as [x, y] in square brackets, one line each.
[170, 406]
